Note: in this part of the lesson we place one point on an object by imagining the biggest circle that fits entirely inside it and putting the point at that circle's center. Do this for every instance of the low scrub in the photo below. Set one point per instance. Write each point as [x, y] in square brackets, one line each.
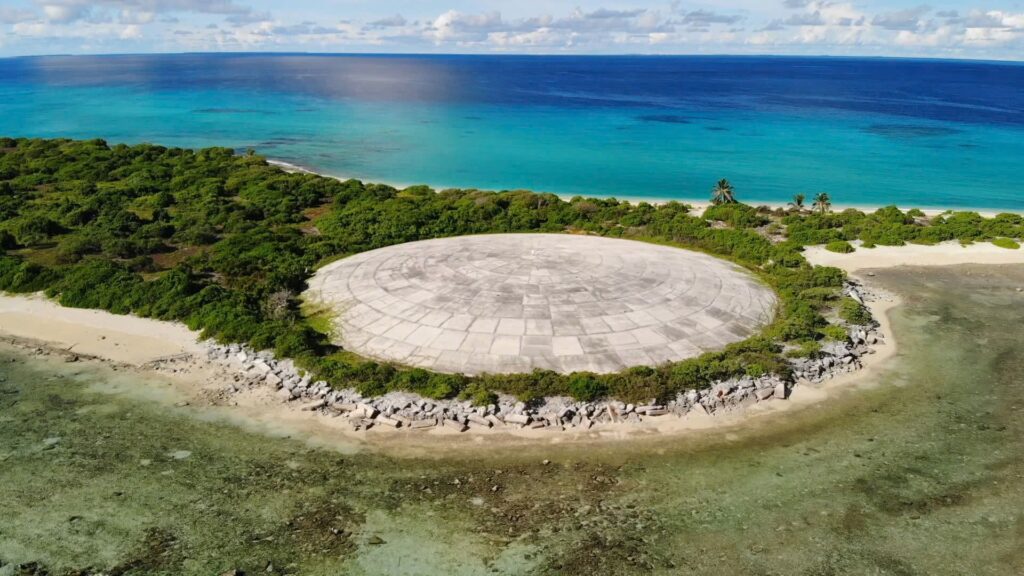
[839, 246]
[1007, 243]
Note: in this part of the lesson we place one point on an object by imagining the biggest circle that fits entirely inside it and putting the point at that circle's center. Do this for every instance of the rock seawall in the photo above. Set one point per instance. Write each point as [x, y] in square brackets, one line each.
[404, 410]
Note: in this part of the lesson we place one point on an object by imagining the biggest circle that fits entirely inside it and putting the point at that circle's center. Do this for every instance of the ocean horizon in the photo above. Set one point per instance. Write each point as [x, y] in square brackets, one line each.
[868, 131]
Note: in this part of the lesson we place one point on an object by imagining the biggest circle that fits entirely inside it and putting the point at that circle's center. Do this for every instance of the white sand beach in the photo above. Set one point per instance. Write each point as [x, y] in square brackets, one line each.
[944, 254]
[698, 205]
[123, 339]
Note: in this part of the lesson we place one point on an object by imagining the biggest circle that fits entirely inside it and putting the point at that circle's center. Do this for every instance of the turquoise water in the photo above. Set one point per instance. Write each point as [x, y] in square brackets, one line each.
[866, 131]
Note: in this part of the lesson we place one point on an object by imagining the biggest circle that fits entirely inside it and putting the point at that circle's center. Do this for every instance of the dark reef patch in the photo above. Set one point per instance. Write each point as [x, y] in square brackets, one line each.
[909, 131]
[232, 111]
[664, 118]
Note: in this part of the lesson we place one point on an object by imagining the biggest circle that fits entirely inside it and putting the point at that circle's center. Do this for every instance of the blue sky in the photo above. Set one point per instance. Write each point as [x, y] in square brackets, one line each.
[986, 29]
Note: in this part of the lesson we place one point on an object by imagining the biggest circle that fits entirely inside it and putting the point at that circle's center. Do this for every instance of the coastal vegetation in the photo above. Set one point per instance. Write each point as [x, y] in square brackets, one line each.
[839, 246]
[225, 242]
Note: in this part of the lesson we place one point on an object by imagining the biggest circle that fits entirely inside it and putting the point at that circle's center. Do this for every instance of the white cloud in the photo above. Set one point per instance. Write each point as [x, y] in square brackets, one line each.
[902, 20]
[66, 11]
[131, 32]
[10, 15]
[792, 26]
[389, 22]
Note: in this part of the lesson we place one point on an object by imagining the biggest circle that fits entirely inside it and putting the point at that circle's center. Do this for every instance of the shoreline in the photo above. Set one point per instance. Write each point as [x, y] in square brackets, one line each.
[172, 354]
[699, 204]
[211, 380]
[913, 255]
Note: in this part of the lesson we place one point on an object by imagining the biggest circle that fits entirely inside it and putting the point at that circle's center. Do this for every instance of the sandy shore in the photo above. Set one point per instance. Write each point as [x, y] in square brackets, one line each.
[123, 339]
[699, 205]
[945, 254]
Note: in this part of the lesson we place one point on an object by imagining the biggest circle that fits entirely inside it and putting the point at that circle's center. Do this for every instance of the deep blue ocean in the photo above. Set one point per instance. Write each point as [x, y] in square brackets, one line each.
[868, 131]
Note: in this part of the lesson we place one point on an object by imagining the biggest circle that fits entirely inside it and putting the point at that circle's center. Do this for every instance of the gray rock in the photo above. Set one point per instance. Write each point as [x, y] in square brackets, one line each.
[315, 405]
[780, 391]
[455, 425]
[517, 419]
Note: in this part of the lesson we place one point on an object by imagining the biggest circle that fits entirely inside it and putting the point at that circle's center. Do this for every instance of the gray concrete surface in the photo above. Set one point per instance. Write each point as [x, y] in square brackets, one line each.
[510, 303]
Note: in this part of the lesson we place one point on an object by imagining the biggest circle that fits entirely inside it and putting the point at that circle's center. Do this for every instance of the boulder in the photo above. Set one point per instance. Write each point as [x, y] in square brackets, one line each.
[780, 391]
[314, 405]
[455, 425]
[517, 419]
[368, 410]
[479, 420]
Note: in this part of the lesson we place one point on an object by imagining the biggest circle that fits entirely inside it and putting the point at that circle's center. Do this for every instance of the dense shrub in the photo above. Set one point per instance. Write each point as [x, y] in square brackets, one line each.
[586, 386]
[840, 246]
[1006, 243]
[736, 215]
[853, 312]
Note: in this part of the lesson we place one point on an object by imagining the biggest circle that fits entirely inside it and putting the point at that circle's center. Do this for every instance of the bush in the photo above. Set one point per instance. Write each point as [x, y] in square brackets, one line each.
[736, 215]
[1006, 243]
[479, 395]
[840, 246]
[805, 349]
[585, 386]
[853, 312]
[836, 333]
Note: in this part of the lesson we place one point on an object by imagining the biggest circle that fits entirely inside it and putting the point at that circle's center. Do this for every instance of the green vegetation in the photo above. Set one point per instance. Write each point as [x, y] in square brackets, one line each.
[736, 215]
[890, 227]
[1006, 243]
[840, 246]
[853, 312]
[225, 243]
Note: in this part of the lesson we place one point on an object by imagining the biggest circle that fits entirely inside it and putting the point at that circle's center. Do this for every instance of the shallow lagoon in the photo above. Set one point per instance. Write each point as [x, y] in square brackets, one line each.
[922, 474]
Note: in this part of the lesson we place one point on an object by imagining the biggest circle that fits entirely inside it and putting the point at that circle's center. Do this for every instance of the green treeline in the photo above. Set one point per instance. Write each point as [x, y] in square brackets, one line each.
[225, 243]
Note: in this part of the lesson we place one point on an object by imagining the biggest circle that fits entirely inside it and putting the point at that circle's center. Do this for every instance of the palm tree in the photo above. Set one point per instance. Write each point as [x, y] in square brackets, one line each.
[822, 202]
[723, 193]
[798, 202]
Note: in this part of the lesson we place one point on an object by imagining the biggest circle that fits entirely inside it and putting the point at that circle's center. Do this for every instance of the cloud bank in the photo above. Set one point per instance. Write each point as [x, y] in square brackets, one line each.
[781, 27]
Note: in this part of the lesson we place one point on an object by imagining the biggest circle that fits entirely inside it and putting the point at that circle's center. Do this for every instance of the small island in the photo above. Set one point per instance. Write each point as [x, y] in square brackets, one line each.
[726, 311]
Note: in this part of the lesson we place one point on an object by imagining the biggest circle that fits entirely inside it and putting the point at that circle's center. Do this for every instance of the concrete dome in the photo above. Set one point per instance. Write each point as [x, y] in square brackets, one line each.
[509, 303]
